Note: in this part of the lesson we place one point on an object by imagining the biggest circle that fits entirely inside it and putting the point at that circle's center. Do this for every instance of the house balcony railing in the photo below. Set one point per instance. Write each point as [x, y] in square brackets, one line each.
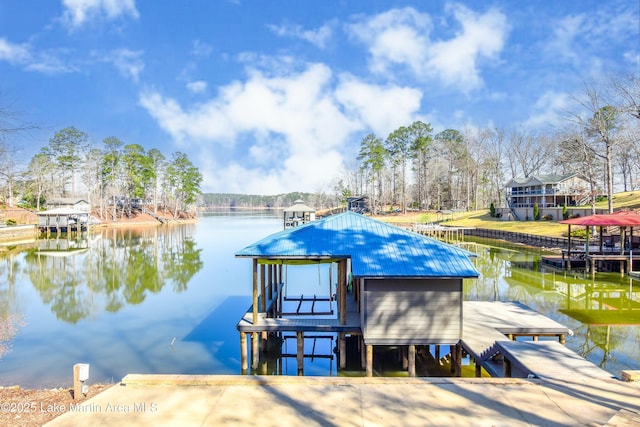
[533, 192]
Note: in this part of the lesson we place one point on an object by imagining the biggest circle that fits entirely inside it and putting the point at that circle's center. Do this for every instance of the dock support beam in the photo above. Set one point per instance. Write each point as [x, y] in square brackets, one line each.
[263, 293]
[412, 360]
[255, 291]
[369, 360]
[270, 276]
[255, 353]
[300, 352]
[456, 360]
[342, 350]
[243, 353]
[342, 291]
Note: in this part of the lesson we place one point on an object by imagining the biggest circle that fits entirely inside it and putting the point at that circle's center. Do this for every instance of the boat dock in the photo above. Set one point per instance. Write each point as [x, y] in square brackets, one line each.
[548, 360]
[490, 337]
[490, 332]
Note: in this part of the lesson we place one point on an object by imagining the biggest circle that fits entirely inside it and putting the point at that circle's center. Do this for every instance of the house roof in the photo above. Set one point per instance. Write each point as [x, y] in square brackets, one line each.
[299, 206]
[376, 249]
[619, 219]
[540, 179]
[66, 201]
[60, 211]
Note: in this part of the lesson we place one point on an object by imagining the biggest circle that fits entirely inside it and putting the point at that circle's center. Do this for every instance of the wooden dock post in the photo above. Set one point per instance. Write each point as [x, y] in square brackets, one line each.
[270, 277]
[369, 360]
[403, 356]
[255, 291]
[452, 356]
[264, 341]
[300, 352]
[342, 350]
[243, 353]
[412, 360]
[255, 354]
[456, 360]
[263, 293]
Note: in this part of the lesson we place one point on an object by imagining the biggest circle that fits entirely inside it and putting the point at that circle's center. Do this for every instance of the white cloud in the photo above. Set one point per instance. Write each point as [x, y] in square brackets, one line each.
[281, 133]
[42, 62]
[317, 37]
[197, 86]
[128, 62]
[549, 110]
[13, 53]
[379, 108]
[585, 38]
[398, 36]
[482, 36]
[401, 38]
[77, 12]
[564, 34]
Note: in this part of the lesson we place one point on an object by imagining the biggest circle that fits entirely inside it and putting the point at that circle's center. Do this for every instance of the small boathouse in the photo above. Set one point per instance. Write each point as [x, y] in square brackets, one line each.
[298, 214]
[608, 248]
[394, 287]
[62, 220]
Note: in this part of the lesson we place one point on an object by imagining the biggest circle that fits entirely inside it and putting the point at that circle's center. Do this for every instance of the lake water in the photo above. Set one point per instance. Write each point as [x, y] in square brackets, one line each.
[167, 300]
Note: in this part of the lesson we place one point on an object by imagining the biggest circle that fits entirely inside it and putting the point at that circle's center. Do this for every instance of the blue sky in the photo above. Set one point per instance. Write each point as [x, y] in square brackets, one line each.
[275, 96]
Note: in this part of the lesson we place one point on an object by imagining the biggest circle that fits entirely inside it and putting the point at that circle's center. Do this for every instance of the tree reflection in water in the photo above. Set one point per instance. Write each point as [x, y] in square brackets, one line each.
[120, 266]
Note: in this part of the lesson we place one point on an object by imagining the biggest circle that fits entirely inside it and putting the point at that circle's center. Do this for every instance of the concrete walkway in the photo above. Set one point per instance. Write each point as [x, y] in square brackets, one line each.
[178, 400]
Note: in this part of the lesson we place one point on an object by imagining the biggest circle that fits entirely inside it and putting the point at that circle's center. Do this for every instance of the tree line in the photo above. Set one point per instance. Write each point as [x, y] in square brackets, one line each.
[234, 200]
[413, 167]
[116, 178]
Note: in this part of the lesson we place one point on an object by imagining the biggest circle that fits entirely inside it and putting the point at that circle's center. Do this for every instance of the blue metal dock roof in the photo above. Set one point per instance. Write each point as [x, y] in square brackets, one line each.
[376, 249]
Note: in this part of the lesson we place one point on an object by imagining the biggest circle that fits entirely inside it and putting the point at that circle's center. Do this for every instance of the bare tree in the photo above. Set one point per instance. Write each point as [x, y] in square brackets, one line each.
[600, 123]
[10, 124]
[627, 89]
[528, 154]
[577, 156]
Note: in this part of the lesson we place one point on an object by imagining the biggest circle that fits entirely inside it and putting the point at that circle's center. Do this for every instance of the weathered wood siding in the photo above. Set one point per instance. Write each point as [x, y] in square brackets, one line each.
[411, 311]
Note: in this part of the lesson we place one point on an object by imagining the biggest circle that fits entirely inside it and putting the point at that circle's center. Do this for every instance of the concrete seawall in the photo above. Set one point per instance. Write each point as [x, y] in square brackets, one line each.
[18, 233]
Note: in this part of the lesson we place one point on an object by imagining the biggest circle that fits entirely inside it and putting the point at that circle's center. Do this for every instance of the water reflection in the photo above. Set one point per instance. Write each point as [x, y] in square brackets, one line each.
[110, 269]
[603, 312]
[167, 300]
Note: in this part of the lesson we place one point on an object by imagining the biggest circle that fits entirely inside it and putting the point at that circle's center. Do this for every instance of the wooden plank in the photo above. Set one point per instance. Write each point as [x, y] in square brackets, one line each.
[548, 360]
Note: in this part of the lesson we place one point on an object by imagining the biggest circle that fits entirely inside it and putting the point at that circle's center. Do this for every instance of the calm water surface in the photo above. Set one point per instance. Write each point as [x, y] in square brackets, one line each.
[167, 299]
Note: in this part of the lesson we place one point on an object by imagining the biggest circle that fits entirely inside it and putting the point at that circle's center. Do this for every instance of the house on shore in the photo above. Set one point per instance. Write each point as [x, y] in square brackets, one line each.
[64, 215]
[549, 192]
[394, 287]
[71, 203]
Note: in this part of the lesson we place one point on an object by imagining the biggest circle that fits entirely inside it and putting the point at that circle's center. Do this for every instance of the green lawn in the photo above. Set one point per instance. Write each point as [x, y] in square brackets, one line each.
[481, 219]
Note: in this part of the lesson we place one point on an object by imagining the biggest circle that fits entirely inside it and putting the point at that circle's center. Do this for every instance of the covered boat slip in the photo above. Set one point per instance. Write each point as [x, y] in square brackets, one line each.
[394, 286]
[612, 250]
